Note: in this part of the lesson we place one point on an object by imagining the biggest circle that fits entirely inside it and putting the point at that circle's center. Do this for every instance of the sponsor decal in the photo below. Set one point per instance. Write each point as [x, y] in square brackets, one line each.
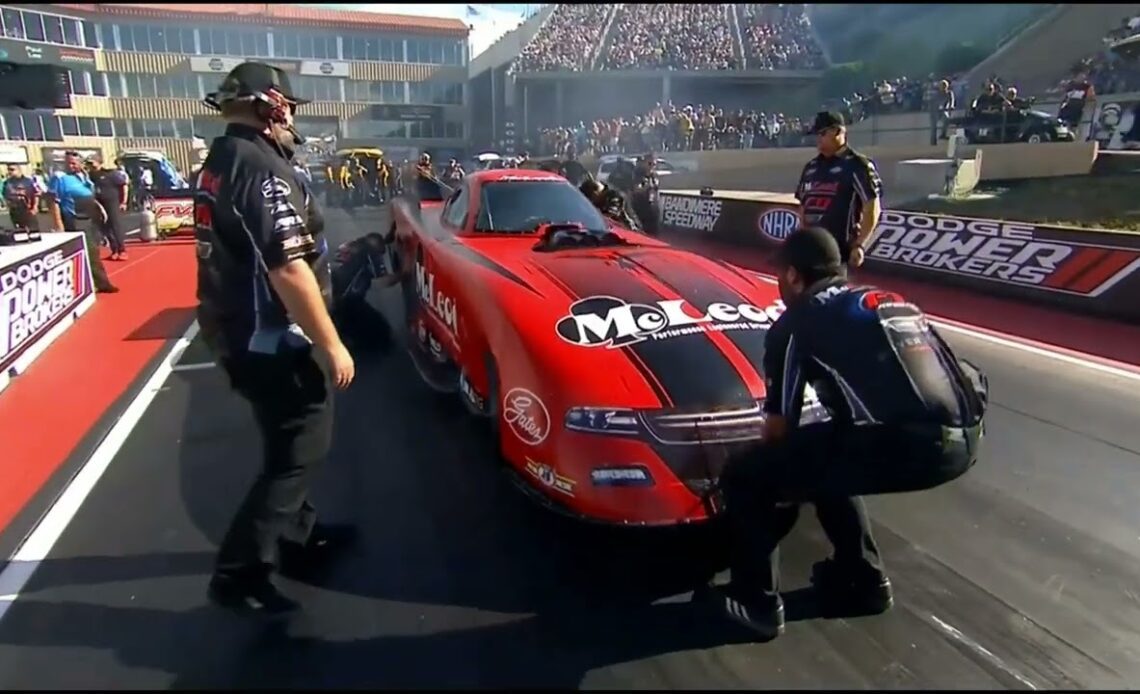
[37, 293]
[1116, 124]
[469, 393]
[440, 305]
[621, 476]
[526, 415]
[1003, 252]
[689, 212]
[608, 321]
[170, 215]
[550, 478]
[275, 188]
[779, 223]
[875, 298]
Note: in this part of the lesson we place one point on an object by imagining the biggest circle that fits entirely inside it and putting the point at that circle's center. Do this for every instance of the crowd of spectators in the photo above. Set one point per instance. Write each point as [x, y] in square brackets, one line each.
[568, 40]
[668, 128]
[778, 37]
[672, 37]
[1107, 71]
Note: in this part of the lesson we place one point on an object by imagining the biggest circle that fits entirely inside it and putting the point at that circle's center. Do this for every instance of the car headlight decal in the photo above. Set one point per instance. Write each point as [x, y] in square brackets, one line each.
[603, 420]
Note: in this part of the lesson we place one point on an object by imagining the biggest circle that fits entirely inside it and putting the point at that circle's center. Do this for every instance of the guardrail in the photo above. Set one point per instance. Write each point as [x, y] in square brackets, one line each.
[1091, 271]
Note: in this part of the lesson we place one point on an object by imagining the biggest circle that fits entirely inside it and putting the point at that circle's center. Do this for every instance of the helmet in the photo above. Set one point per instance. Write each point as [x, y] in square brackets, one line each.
[255, 82]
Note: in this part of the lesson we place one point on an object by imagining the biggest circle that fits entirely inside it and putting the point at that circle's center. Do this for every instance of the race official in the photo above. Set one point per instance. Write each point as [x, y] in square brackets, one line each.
[840, 189]
[899, 413]
[263, 291]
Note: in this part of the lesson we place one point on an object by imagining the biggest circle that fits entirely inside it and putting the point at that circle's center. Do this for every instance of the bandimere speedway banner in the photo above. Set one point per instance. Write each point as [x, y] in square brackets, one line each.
[38, 292]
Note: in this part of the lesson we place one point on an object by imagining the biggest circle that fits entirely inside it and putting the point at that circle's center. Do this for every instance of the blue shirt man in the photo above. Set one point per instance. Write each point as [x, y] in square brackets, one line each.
[70, 187]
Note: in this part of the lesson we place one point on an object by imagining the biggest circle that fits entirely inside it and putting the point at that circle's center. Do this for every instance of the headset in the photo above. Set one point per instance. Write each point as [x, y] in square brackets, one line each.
[270, 105]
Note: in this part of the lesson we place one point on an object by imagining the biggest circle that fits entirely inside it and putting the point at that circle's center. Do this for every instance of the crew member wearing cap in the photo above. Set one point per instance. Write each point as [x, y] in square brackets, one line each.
[840, 189]
[897, 412]
[263, 290]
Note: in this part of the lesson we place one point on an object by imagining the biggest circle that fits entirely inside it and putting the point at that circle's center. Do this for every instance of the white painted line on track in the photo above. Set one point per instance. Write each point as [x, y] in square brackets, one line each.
[202, 366]
[1068, 356]
[38, 544]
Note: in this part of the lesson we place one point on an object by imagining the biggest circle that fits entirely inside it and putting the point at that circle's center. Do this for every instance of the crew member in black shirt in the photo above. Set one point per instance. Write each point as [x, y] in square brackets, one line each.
[609, 202]
[1078, 93]
[989, 101]
[898, 412]
[263, 292]
[840, 189]
[22, 198]
[111, 192]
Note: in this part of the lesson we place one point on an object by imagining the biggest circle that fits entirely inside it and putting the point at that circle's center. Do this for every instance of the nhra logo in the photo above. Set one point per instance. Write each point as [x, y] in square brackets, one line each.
[608, 321]
[217, 64]
[326, 68]
[779, 223]
[441, 305]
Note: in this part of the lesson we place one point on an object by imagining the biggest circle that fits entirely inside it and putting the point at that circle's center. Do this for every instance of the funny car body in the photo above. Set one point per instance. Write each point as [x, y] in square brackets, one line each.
[618, 372]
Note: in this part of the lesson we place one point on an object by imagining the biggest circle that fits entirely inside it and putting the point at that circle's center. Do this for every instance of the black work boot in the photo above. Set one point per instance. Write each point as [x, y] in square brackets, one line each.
[850, 592]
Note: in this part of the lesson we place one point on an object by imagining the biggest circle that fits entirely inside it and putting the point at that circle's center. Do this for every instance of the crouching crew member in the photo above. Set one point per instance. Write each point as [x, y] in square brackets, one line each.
[905, 415]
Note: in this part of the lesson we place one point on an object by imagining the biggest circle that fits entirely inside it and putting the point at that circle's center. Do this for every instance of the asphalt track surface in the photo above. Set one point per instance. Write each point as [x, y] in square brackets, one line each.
[1025, 574]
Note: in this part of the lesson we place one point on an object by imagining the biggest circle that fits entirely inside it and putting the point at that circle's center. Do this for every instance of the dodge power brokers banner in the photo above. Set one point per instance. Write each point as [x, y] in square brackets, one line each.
[37, 293]
[1090, 269]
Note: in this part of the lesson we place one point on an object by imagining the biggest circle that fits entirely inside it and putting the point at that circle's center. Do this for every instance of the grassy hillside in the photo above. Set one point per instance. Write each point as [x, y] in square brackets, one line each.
[909, 39]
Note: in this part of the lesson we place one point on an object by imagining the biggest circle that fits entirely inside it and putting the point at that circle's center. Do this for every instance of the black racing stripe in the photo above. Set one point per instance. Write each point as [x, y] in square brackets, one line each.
[694, 372]
[646, 374]
[473, 256]
[701, 289]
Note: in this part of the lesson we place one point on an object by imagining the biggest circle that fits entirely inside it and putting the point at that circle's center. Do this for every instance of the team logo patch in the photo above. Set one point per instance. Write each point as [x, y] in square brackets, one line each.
[274, 188]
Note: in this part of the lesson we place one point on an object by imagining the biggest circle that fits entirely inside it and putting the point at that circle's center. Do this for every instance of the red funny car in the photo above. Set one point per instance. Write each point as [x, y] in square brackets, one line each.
[619, 372]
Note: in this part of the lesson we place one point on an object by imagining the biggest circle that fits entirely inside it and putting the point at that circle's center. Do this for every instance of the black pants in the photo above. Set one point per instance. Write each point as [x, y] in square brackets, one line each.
[84, 226]
[830, 466]
[112, 229]
[291, 397]
[23, 218]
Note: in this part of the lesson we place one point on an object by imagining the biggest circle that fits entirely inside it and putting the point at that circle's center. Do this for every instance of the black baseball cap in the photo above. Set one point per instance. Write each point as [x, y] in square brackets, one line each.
[825, 120]
[810, 251]
[251, 80]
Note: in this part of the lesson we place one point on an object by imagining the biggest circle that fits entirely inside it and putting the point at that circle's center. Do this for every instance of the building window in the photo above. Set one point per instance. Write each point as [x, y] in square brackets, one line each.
[242, 43]
[154, 38]
[440, 93]
[161, 86]
[90, 34]
[306, 45]
[385, 92]
[317, 88]
[104, 127]
[373, 48]
[115, 86]
[121, 127]
[453, 130]
[435, 51]
[34, 127]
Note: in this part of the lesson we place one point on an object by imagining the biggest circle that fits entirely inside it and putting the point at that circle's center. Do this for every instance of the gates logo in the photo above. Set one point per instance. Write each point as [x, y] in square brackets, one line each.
[778, 224]
[996, 251]
[527, 416]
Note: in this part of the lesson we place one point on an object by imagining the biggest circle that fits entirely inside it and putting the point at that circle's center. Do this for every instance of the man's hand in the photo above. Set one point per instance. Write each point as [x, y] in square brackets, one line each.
[340, 363]
[856, 258]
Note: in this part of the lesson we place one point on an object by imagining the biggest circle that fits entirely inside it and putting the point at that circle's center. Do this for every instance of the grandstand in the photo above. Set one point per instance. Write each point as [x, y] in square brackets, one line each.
[591, 61]
[607, 73]
[139, 72]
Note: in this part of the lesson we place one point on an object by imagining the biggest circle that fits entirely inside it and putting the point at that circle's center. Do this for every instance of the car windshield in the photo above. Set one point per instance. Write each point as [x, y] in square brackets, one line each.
[520, 206]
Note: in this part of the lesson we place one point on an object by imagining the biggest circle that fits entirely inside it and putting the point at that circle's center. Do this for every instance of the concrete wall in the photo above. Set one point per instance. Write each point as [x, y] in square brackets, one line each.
[778, 170]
